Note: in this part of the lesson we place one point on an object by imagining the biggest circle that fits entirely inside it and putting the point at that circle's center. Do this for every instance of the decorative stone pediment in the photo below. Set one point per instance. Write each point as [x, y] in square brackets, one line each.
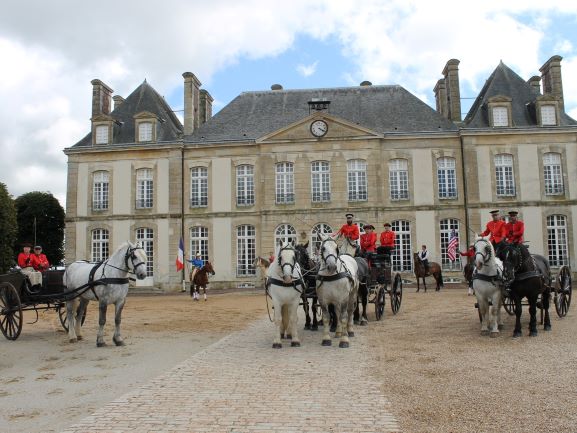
[145, 115]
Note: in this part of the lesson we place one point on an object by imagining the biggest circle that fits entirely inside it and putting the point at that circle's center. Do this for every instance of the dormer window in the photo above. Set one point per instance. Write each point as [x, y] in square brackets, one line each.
[145, 125]
[101, 134]
[145, 131]
[499, 111]
[548, 115]
[500, 116]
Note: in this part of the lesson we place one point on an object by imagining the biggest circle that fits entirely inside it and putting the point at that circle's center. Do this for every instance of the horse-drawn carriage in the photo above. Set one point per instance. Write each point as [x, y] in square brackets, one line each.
[380, 283]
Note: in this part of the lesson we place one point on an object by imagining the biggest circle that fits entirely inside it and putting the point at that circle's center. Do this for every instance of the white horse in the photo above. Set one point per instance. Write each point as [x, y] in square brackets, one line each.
[487, 284]
[337, 284]
[106, 282]
[285, 286]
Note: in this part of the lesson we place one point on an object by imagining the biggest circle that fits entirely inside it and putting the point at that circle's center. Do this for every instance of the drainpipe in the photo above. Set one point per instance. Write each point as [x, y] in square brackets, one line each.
[465, 195]
[182, 216]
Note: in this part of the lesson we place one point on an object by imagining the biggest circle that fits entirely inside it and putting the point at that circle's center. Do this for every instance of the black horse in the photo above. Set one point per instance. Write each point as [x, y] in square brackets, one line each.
[363, 294]
[527, 276]
[309, 270]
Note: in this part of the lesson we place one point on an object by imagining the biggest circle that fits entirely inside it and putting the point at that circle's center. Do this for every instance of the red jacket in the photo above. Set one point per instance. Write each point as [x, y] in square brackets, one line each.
[41, 262]
[27, 260]
[350, 231]
[514, 232]
[388, 239]
[496, 229]
[369, 242]
[469, 253]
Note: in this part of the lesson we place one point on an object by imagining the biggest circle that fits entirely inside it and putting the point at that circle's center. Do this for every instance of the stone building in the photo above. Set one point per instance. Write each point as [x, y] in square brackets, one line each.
[289, 163]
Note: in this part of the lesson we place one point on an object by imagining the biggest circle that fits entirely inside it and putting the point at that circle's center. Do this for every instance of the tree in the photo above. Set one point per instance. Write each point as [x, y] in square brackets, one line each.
[8, 229]
[41, 221]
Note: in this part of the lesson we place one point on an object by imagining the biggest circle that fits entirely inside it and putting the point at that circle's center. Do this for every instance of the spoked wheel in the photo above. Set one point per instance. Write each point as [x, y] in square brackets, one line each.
[509, 305]
[64, 318]
[10, 311]
[397, 293]
[563, 292]
[380, 303]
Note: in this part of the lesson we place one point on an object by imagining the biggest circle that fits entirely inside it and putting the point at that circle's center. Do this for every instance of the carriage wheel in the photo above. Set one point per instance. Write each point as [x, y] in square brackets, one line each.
[10, 311]
[380, 303]
[397, 294]
[509, 305]
[563, 291]
[64, 318]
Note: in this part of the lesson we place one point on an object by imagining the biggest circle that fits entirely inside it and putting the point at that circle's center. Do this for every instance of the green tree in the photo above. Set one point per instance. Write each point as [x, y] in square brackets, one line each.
[41, 221]
[8, 229]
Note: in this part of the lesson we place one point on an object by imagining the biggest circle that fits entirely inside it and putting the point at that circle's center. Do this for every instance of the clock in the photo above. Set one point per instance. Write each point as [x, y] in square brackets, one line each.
[319, 128]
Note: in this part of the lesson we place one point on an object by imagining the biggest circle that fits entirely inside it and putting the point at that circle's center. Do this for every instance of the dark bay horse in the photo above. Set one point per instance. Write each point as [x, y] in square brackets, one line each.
[201, 280]
[434, 270]
[528, 276]
[309, 271]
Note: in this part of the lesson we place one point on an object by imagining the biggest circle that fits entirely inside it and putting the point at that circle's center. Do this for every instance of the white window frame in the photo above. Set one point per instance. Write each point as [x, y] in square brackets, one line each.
[245, 250]
[447, 177]
[399, 179]
[315, 238]
[285, 233]
[285, 189]
[504, 175]
[198, 242]
[500, 116]
[402, 257]
[145, 132]
[144, 188]
[101, 134]
[557, 240]
[99, 245]
[553, 174]
[145, 236]
[548, 115]
[198, 187]
[320, 181]
[446, 226]
[357, 180]
[245, 185]
[100, 189]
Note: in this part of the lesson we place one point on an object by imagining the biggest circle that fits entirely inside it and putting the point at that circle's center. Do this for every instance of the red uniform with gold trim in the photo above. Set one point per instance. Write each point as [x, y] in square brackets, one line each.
[369, 242]
[350, 231]
[388, 239]
[496, 229]
[514, 232]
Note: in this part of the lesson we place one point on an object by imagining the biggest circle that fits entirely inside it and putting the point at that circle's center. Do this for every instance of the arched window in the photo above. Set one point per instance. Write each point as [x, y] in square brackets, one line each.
[316, 240]
[285, 233]
[447, 178]
[449, 229]
[146, 238]
[285, 189]
[144, 189]
[402, 257]
[504, 175]
[557, 240]
[320, 181]
[357, 179]
[198, 187]
[245, 250]
[99, 245]
[245, 185]
[399, 179]
[199, 242]
[553, 174]
[100, 187]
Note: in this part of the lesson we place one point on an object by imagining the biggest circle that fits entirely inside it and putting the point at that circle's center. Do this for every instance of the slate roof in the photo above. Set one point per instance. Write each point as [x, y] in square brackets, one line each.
[383, 109]
[504, 81]
[144, 98]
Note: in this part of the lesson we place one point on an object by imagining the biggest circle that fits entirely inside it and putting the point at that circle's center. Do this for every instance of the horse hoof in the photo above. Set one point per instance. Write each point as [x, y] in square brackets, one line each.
[101, 344]
[326, 342]
[356, 322]
[79, 337]
[276, 345]
[73, 340]
[494, 334]
[484, 333]
[314, 328]
[533, 333]
[119, 342]
[351, 334]
[308, 326]
[500, 327]
[364, 322]
[344, 344]
[333, 329]
[517, 334]
[289, 337]
[295, 344]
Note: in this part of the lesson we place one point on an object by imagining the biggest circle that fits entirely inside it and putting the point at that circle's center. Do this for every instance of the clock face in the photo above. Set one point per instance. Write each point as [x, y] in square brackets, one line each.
[319, 128]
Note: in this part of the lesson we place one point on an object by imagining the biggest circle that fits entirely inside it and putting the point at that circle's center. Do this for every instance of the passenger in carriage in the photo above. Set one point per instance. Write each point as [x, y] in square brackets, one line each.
[27, 262]
[369, 239]
[387, 241]
[514, 229]
[42, 262]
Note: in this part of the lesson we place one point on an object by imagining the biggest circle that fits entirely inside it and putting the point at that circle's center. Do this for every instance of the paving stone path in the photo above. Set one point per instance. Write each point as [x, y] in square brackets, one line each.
[241, 385]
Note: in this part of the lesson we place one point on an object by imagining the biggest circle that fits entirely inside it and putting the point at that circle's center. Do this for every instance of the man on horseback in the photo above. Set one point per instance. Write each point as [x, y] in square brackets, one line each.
[514, 229]
[196, 264]
[496, 228]
[424, 258]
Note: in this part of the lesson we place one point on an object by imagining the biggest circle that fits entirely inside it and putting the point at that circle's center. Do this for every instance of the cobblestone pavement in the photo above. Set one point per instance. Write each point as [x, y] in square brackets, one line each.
[241, 385]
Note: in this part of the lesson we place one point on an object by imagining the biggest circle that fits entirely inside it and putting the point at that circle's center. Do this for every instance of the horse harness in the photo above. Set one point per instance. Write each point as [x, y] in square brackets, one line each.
[338, 275]
[294, 283]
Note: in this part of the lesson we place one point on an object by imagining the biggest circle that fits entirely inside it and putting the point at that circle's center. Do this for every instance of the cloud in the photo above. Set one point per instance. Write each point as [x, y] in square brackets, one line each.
[307, 70]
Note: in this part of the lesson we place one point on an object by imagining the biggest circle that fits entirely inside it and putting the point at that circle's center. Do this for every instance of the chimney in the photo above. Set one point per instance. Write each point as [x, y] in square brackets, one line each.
[535, 83]
[441, 98]
[205, 106]
[551, 79]
[191, 100]
[101, 98]
[276, 87]
[451, 73]
[118, 100]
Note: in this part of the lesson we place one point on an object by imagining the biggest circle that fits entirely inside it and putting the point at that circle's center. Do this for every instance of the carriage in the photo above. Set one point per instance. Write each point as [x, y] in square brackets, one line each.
[380, 283]
[17, 295]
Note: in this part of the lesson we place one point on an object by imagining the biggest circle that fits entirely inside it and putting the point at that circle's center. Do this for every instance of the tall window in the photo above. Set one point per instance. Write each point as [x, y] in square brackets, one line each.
[285, 189]
[99, 245]
[399, 179]
[357, 179]
[198, 187]
[146, 238]
[447, 226]
[285, 233]
[500, 116]
[144, 131]
[101, 134]
[199, 242]
[144, 188]
[553, 174]
[100, 190]
[548, 116]
[321, 181]
[504, 175]
[316, 240]
[402, 257]
[447, 178]
[245, 250]
[557, 240]
[245, 185]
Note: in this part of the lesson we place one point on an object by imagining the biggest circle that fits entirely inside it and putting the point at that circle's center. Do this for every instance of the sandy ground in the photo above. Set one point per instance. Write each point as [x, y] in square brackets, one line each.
[430, 360]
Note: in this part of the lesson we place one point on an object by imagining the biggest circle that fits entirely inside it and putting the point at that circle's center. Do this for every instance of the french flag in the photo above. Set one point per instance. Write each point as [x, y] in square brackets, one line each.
[180, 256]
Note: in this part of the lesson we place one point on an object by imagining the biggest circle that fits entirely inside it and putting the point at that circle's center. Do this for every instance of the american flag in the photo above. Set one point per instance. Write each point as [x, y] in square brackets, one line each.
[452, 246]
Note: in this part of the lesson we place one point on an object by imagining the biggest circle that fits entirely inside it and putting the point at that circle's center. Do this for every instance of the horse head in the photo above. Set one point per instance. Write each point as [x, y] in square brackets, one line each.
[484, 252]
[208, 267]
[329, 252]
[135, 260]
[512, 261]
[287, 260]
[303, 256]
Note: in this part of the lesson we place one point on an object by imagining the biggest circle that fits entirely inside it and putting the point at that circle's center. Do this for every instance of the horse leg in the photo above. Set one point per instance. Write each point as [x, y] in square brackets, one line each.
[425, 283]
[364, 293]
[533, 315]
[517, 332]
[278, 323]
[102, 307]
[494, 313]
[344, 325]
[307, 315]
[293, 319]
[81, 312]
[484, 310]
[117, 338]
[204, 292]
[71, 319]
[546, 297]
[315, 325]
[326, 336]
[332, 317]
[356, 313]
[286, 325]
[418, 284]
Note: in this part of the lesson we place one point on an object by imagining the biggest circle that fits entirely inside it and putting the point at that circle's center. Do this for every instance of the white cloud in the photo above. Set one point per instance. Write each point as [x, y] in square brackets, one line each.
[307, 70]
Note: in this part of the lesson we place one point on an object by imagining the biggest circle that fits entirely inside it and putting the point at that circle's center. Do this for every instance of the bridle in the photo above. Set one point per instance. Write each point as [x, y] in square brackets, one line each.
[324, 259]
[486, 257]
[129, 255]
[294, 261]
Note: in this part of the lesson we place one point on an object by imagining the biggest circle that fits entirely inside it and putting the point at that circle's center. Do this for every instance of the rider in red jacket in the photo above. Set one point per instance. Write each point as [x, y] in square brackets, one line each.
[514, 229]
[349, 230]
[496, 228]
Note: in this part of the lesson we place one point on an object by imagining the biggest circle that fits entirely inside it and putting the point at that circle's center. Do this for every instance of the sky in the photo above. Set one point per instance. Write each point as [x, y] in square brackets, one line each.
[51, 50]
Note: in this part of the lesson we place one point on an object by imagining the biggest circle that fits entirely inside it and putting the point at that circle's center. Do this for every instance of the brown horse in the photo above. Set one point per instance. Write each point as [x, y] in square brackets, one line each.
[201, 280]
[434, 270]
